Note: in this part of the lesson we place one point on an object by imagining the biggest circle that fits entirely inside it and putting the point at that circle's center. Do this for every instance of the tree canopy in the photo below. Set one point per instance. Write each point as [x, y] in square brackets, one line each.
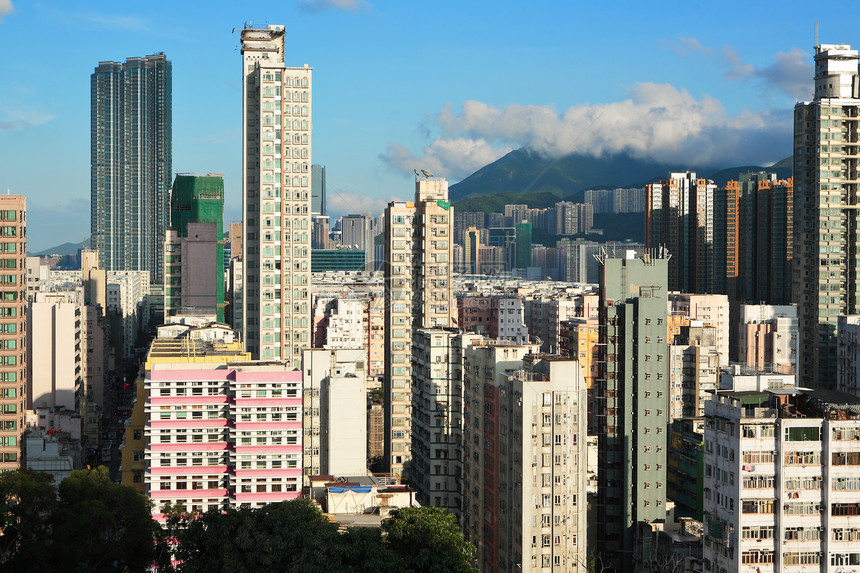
[89, 523]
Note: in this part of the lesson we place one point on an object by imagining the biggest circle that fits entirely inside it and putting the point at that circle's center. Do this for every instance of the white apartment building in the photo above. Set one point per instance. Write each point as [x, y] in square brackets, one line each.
[848, 354]
[418, 271]
[512, 322]
[335, 412]
[54, 364]
[437, 415]
[276, 191]
[781, 482]
[525, 460]
[767, 336]
[345, 327]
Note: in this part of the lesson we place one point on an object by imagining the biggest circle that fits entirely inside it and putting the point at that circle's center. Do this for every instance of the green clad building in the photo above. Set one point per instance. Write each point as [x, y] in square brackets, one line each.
[194, 247]
[523, 234]
[632, 402]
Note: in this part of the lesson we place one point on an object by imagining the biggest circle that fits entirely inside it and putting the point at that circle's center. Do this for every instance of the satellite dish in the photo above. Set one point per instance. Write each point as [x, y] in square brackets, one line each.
[426, 173]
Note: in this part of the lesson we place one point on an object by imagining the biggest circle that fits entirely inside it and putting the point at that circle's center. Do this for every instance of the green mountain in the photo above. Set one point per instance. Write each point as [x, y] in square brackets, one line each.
[523, 172]
[524, 176]
[64, 249]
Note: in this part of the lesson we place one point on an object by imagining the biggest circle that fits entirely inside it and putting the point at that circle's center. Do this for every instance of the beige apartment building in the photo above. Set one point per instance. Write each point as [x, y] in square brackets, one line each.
[418, 277]
[276, 191]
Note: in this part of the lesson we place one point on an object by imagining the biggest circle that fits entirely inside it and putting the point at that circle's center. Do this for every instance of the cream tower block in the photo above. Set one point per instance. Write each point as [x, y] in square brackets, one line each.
[418, 272]
[276, 190]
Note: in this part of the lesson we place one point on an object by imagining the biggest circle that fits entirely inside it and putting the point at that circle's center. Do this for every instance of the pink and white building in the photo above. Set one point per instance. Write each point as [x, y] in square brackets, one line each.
[222, 435]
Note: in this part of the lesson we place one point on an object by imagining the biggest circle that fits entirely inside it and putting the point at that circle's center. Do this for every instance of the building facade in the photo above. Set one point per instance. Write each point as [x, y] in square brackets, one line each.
[418, 279]
[13, 328]
[194, 247]
[632, 390]
[524, 460]
[131, 162]
[685, 215]
[759, 238]
[780, 481]
[826, 245]
[276, 191]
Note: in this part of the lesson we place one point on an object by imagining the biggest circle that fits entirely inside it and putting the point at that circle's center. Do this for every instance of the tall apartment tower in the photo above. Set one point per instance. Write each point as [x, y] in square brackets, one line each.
[13, 335]
[632, 409]
[194, 247]
[686, 215]
[759, 238]
[276, 191]
[318, 189]
[524, 453]
[472, 250]
[826, 245]
[418, 279]
[356, 234]
[131, 162]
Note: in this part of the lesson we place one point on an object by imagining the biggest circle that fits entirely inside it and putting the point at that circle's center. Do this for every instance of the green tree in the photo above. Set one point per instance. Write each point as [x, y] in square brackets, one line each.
[102, 525]
[287, 536]
[428, 539]
[28, 500]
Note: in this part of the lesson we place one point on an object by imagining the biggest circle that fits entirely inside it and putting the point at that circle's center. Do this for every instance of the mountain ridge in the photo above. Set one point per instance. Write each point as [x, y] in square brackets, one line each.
[527, 174]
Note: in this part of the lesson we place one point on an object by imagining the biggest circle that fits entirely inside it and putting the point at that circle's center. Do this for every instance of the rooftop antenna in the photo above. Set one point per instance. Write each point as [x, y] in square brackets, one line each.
[816, 33]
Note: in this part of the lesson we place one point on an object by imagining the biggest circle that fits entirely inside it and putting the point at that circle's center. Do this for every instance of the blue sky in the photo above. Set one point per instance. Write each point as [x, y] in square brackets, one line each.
[447, 86]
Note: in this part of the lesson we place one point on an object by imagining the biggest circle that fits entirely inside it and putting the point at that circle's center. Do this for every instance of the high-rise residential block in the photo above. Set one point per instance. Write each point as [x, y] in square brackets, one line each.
[632, 410]
[356, 233]
[418, 279]
[131, 162]
[437, 415]
[781, 481]
[759, 238]
[686, 216]
[318, 190]
[826, 242]
[194, 247]
[573, 218]
[13, 328]
[471, 250]
[524, 459]
[276, 191]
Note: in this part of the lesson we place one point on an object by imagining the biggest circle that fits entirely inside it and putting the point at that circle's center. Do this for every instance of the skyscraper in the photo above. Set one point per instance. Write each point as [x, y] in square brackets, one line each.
[759, 238]
[13, 335]
[686, 215]
[826, 240]
[418, 294]
[318, 189]
[276, 191]
[356, 234]
[131, 162]
[194, 247]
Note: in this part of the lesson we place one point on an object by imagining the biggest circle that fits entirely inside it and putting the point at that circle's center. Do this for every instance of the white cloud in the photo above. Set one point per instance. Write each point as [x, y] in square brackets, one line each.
[322, 5]
[455, 158]
[684, 47]
[12, 120]
[791, 72]
[657, 121]
[6, 8]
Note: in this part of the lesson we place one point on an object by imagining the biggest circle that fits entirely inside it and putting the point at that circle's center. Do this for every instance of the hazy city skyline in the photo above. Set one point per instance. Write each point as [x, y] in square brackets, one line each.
[480, 82]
